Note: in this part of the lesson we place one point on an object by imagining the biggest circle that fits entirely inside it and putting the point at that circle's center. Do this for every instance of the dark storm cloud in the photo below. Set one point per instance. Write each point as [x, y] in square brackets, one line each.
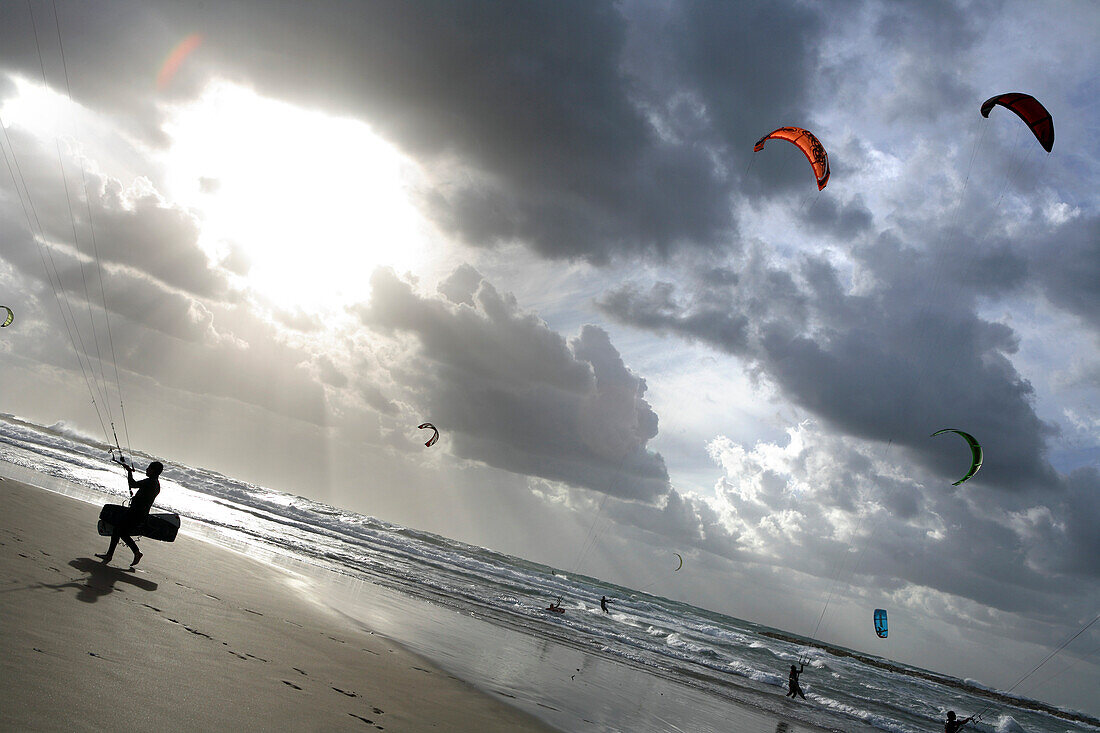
[1079, 544]
[841, 220]
[1067, 265]
[512, 393]
[658, 310]
[590, 128]
[875, 364]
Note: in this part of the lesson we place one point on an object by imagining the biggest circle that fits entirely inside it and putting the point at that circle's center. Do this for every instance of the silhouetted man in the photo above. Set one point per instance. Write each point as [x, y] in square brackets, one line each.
[140, 504]
[953, 726]
[792, 682]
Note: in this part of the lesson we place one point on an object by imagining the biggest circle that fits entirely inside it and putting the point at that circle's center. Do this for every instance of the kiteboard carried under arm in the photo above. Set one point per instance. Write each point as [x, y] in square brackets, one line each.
[161, 526]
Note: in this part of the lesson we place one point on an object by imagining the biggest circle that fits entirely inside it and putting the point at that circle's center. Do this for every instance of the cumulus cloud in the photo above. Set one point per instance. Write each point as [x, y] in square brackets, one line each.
[509, 391]
[820, 499]
[891, 361]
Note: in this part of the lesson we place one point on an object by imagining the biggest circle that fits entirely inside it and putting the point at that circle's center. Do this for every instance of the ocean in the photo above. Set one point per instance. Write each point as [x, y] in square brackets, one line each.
[651, 664]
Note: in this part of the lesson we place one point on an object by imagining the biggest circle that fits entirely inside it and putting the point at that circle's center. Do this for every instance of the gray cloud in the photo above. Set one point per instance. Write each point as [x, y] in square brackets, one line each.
[1067, 266]
[841, 220]
[578, 142]
[779, 502]
[509, 391]
[895, 363]
[121, 227]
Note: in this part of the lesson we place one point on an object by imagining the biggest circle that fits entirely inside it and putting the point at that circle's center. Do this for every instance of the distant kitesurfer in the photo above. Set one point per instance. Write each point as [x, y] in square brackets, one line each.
[140, 504]
[603, 604]
[953, 726]
[556, 606]
[793, 688]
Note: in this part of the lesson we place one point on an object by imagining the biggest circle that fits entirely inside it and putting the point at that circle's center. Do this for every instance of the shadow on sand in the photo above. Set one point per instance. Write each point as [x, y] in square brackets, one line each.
[100, 581]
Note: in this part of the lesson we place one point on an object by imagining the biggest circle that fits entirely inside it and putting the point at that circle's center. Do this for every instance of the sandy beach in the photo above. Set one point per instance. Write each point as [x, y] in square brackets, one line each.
[197, 638]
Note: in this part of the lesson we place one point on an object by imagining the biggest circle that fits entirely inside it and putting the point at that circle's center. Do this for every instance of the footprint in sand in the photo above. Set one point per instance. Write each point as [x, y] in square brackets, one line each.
[300, 671]
[291, 684]
[366, 720]
[345, 692]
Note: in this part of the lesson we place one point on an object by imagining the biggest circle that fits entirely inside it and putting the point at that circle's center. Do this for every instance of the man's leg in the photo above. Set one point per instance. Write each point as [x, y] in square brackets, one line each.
[133, 548]
[111, 550]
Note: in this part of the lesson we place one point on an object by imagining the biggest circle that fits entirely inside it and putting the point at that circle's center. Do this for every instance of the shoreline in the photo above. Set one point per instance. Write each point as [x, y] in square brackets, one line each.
[199, 637]
[942, 679]
[346, 614]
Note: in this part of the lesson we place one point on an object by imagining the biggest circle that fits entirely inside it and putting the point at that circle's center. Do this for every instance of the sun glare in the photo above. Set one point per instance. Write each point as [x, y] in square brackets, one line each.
[302, 205]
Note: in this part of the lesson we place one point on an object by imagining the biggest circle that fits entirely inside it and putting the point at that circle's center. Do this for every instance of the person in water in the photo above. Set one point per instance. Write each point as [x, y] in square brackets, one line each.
[951, 725]
[792, 682]
[555, 606]
[603, 604]
[140, 504]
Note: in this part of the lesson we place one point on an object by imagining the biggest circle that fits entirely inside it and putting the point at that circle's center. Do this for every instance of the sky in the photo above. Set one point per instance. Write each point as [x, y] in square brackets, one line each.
[542, 227]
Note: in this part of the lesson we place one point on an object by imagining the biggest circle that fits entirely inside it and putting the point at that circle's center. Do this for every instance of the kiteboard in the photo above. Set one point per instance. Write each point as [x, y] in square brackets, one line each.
[552, 609]
[162, 527]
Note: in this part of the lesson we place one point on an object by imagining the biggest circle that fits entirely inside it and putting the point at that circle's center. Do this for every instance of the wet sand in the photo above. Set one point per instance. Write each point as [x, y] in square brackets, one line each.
[196, 638]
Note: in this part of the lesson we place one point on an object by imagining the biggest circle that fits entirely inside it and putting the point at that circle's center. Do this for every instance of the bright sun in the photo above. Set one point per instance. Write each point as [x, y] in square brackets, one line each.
[313, 203]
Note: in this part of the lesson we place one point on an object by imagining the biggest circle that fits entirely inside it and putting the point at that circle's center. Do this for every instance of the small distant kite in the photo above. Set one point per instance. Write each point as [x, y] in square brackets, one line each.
[1030, 111]
[9, 319]
[975, 451]
[808, 144]
[681, 561]
[435, 433]
[880, 623]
